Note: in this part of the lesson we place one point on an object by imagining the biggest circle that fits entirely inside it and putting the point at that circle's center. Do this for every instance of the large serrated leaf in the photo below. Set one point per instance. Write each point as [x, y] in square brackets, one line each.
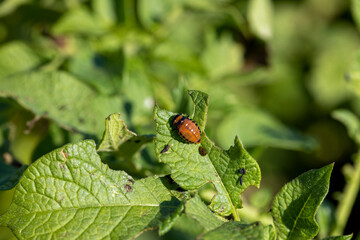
[238, 231]
[69, 193]
[61, 97]
[219, 167]
[294, 207]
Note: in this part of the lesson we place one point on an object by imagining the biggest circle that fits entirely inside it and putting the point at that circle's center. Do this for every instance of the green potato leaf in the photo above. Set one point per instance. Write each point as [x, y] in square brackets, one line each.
[9, 6]
[86, 23]
[325, 217]
[197, 209]
[170, 221]
[69, 193]
[345, 237]
[328, 85]
[58, 96]
[116, 133]
[238, 231]
[16, 57]
[220, 167]
[138, 94]
[100, 70]
[105, 10]
[9, 176]
[117, 137]
[270, 232]
[295, 206]
[221, 56]
[351, 122]
[257, 128]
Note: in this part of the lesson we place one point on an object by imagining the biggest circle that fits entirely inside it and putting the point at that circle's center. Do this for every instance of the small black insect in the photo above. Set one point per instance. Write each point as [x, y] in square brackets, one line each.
[202, 151]
[241, 171]
[128, 188]
[166, 148]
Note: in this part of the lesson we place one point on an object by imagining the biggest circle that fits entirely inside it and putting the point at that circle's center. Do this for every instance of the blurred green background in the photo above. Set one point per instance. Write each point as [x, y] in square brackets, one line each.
[275, 72]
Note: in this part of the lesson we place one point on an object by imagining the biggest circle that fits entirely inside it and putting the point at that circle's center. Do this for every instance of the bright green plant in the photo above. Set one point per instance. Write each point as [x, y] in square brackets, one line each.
[69, 193]
[275, 70]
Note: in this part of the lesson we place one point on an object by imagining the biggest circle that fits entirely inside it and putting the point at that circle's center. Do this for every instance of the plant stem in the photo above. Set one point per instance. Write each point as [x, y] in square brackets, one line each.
[130, 13]
[346, 203]
[236, 215]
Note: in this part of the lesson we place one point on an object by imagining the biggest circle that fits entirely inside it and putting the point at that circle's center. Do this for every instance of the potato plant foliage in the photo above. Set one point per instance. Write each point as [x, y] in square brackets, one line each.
[69, 193]
[265, 145]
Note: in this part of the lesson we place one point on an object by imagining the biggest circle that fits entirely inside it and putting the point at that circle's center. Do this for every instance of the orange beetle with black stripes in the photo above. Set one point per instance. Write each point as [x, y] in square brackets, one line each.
[187, 129]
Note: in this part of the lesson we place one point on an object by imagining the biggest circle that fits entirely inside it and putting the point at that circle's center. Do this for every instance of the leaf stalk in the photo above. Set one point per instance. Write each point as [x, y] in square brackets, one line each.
[348, 198]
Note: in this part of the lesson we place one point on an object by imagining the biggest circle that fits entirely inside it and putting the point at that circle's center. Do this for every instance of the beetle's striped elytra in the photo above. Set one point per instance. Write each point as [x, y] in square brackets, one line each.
[187, 129]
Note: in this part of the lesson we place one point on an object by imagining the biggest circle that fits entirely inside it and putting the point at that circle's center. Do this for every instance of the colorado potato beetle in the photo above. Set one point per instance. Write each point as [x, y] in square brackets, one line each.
[187, 129]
